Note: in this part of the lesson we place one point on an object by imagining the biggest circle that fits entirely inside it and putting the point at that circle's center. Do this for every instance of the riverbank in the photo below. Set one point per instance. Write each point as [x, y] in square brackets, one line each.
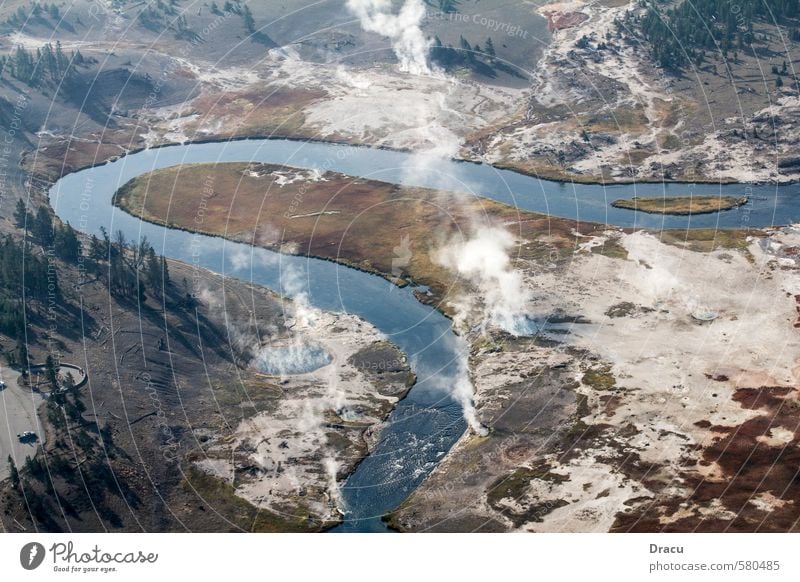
[610, 251]
[336, 217]
[626, 119]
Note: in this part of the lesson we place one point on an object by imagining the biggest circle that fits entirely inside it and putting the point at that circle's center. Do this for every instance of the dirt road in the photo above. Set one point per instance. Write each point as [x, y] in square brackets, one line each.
[17, 414]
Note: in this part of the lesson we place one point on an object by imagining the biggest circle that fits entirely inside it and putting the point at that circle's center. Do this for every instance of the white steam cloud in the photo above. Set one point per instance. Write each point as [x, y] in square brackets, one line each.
[301, 354]
[299, 357]
[500, 294]
[484, 262]
[464, 392]
[402, 29]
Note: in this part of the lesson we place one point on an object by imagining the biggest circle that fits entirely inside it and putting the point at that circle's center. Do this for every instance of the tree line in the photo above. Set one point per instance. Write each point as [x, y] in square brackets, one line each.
[62, 239]
[38, 11]
[29, 273]
[133, 269]
[680, 35]
[23, 275]
[48, 65]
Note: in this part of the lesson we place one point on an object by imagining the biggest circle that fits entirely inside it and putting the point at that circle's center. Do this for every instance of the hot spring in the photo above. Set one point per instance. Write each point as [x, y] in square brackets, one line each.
[297, 358]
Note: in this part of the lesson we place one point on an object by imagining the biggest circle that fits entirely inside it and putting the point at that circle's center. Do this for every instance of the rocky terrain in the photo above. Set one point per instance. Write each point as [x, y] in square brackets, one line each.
[175, 376]
[600, 110]
[291, 457]
[595, 107]
[669, 408]
[667, 400]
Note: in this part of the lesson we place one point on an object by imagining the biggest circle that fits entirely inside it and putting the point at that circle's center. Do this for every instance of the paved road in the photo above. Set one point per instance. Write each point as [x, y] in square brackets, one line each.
[17, 414]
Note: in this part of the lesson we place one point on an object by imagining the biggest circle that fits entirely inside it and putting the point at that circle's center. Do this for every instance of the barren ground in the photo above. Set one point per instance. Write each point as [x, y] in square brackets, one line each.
[671, 404]
[673, 408]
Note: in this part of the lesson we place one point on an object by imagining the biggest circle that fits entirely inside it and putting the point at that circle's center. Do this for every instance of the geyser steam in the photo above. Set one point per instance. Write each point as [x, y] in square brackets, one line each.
[484, 259]
[402, 29]
[302, 355]
[484, 262]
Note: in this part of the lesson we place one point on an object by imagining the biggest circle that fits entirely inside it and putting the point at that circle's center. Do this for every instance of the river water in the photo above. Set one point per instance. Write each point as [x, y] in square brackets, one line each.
[423, 426]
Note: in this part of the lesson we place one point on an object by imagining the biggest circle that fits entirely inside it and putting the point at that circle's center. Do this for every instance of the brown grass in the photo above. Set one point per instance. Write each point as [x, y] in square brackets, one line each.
[680, 205]
[749, 467]
[353, 221]
[249, 113]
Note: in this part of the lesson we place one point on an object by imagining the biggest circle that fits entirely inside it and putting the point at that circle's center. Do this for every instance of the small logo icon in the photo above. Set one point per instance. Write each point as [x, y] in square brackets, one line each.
[31, 555]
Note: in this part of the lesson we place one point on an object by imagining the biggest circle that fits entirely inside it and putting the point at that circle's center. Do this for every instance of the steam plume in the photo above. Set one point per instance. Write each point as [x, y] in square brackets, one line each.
[484, 261]
[305, 320]
[402, 29]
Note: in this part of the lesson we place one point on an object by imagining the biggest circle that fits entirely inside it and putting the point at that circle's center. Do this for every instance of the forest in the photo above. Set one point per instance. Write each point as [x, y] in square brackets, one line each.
[681, 34]
[49, 65]
[29, 270]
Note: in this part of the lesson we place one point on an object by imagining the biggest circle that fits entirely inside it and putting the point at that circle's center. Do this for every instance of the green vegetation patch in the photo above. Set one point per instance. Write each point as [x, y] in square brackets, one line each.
[680, 205]
[600, 379]
[515, 485]
[705, 240]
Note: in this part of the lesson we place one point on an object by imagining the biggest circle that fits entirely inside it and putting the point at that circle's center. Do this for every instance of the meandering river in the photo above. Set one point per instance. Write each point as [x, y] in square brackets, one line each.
[423, 426]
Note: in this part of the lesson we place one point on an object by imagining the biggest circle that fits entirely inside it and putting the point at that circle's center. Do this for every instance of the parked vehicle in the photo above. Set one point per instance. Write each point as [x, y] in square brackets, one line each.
[27, 436]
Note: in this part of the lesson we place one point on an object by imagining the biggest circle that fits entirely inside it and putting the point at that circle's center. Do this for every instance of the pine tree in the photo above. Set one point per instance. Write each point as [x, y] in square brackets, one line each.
[164, 272]
[21, 217]
[247, 17]
[67, 244]
[465, 46]
[97, 250]
[488, 48]
[42, 227]
[156, 273]
[22, 355]
[13, 473]
[69, 382]
[676, 31]
[50, 372]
